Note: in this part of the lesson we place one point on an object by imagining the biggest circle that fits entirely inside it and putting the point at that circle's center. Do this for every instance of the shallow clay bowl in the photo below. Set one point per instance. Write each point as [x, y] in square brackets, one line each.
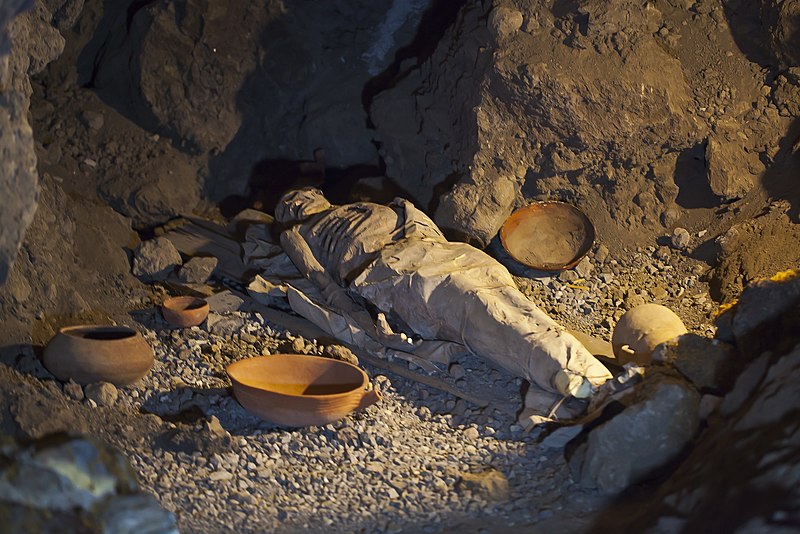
[95, 353]
[183, 312]
[298, 390]
[549, 236]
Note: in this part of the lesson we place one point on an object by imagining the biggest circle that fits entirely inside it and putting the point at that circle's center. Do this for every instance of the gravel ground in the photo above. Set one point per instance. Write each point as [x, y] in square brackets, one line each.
[395, 467]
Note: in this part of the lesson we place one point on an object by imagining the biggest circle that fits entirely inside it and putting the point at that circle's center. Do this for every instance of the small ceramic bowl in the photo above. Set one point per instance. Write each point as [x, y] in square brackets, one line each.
[95, 353]
[183, 312]
[298, 390]
[548, 236]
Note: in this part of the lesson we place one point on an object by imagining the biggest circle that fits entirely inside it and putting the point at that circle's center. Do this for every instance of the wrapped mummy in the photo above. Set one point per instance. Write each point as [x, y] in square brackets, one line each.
[451, 296]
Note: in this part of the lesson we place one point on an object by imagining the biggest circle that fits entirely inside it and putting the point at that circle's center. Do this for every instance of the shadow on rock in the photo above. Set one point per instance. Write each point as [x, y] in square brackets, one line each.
[782, 179]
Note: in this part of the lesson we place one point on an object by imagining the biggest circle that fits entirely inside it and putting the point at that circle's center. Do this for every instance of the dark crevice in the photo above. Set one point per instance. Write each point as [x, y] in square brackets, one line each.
[432, 26]
[134, 8]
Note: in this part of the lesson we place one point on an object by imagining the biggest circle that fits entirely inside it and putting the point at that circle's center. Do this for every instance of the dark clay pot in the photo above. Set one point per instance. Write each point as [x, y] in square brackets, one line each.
[95, 353]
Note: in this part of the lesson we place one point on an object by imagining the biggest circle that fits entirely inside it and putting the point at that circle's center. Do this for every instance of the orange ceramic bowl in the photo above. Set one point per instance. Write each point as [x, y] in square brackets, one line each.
[96, 353]
[298, 390]
[183, 312]
[549, 236]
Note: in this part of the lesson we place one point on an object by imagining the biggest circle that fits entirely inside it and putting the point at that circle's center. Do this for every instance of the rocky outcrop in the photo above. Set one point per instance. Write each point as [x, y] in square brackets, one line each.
[246, 81]
[648, 434]
[73, 263]
[27, 44]
[742, 475]
[753, 249]
[601, 104]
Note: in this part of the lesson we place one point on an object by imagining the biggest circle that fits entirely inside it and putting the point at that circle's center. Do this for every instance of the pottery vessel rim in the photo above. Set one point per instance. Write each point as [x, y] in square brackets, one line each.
[72, 330]
[580, 253]
[349, 392]
[171, 303]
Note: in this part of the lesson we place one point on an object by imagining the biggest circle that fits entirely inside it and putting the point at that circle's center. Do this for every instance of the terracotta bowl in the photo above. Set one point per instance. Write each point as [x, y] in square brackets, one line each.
[298, 390]
[183, 312]
[549, 236]
[95, 353]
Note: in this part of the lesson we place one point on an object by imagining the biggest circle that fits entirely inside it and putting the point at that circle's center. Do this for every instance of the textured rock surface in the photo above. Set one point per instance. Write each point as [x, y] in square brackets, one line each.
[767, 316]
[602, 104]
[27, 43]
[153, 191]
[102, 393]
[197, 270]
[80, 482]
[706, 363]
[252, 80]
[755, 249]
[644, 437]
[743, 475]
[732, 171]
[155, 259]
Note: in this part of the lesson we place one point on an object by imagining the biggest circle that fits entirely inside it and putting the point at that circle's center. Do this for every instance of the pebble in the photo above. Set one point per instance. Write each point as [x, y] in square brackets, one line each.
[680, 238]
[102, 393]
[298, 345]
[602, 253]
[220, 475]
[73, 390]
[457, 371]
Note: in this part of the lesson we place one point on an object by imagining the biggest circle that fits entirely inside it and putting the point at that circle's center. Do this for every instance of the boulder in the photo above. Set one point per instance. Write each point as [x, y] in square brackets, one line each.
[153, 192]
[709, 364]
[155, 259]
[70, 473]
[504, 21]
[79, 484]
[748, 453]
[731, 170]
[197, 270]
[767, 316]
[132, 514]
[28, 42]
[645, 436]
[475, 212]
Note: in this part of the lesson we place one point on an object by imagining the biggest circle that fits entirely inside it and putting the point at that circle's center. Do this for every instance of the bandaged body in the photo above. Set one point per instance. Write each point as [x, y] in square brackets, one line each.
[397, 260]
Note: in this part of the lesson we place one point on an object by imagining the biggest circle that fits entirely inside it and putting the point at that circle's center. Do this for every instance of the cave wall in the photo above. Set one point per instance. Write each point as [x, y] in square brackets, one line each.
[643, 117]
[610, 105]
[28, 41]
[246, 81]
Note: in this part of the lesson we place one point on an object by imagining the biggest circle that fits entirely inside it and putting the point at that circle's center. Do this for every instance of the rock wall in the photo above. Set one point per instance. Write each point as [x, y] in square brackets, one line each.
[637, 115]
[247, 81]
[28, 41]
[743, 474]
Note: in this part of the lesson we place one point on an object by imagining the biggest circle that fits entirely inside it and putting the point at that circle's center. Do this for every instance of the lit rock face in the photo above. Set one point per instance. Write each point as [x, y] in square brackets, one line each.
[27, 44]
[645, 436]
[69, 483]
[606, 105]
